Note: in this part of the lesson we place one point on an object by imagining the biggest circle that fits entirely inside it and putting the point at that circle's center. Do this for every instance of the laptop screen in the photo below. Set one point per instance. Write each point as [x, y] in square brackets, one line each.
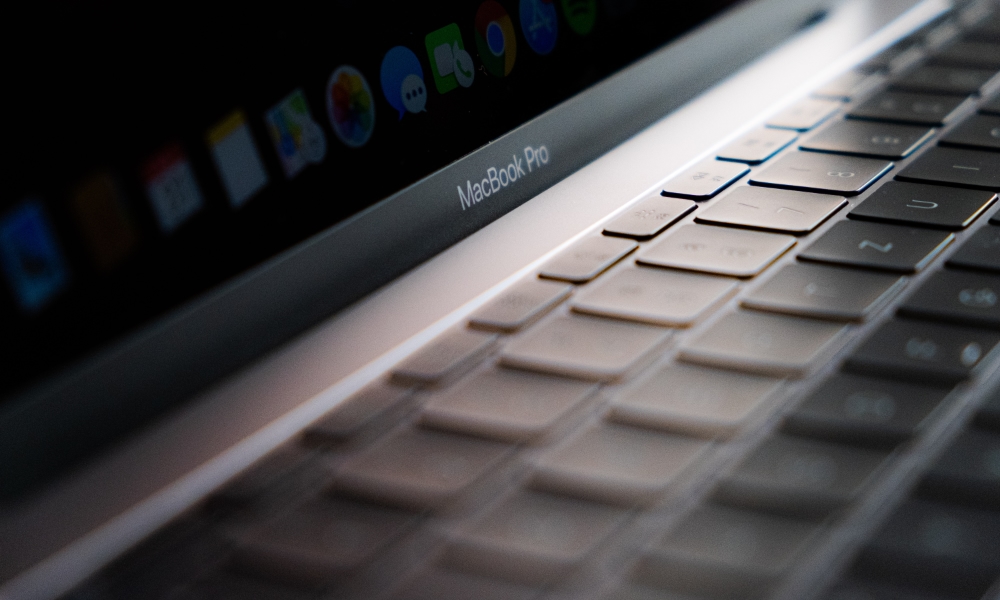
[159, 155]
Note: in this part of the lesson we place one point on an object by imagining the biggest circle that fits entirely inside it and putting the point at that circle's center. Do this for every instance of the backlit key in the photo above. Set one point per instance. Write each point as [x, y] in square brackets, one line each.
[761, 343]
[655, 296]
[694, 400]
[826, 173]
[649, 217]
[805, 114]
[718, 250]
[757, 146]
[587, 259]
[704, 180]
[520, 305]
[617, 463]
[505, 405]
[786, 211]
[584, 347]
[533, 537]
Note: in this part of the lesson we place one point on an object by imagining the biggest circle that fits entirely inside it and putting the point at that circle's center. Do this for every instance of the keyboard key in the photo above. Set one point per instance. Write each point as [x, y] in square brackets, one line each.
[720, 552]
[772, 209]
[318, 541]
[957, 297]
[978, 131]
[450, 353]
[954, 166]
[656, 296]
[694, 400]
[824, 292]
[936, 546]
[533, 537]
[865, 411]
[761, 343]
[890, 248]
[904, 107]
[827, 173]
[522, 304]
[505, 405]
[925, 205]
[967, 472]
[944, 80]
[584, 347]
[417, 468]
[587, 259]
[717, 250]
[351, 415]
[850, 85]
[757, 146]
[978, 55]
[617, 464]
[649, 218]
[919, 351]
[805, 114]
[980, 252]
[869, 138]
[704, 180]
[799, 476]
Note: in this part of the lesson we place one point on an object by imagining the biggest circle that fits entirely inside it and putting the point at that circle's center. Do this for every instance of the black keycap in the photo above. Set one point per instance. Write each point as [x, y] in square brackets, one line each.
[824, 292]
[988, 416]
[978, 131]
[925, 205]
[827, 173]
[980, 252]
[876, 246]
[957, 297]
[904, 107]
[865, 411]
[936, 546]
[798, 476]
[991, 106]
[967, 472]
[964, 168]
[869, 138]
[979, 55]
[921, 351]
[944, 80]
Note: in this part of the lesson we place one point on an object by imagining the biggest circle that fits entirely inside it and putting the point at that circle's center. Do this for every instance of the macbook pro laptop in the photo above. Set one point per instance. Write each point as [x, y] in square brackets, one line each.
[502, 299]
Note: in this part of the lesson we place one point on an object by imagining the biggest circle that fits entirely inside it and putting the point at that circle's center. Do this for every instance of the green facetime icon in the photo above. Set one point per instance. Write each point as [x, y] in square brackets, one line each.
[451, 65]
[580, 14]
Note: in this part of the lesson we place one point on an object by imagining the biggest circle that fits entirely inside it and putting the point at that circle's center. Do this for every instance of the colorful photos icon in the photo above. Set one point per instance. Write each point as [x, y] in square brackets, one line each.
[298, 139]
[495, 38]
[236, 158]
[580, 14]
[171, 187]
[539, 24]
[106, 225]
[451, 65]
[403, 81]
[350, 106]
[31, 259]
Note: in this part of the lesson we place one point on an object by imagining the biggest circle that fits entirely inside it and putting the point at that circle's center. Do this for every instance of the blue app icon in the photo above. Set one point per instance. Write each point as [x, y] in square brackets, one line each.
[539, 24]
[403, 81]
[31, 260]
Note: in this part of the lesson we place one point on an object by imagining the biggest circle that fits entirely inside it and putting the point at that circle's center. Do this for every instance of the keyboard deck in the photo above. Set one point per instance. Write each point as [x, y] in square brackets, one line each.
[777, 379]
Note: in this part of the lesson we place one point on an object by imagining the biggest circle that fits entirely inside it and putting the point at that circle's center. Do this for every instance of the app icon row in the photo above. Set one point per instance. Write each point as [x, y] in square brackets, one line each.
[34, 263]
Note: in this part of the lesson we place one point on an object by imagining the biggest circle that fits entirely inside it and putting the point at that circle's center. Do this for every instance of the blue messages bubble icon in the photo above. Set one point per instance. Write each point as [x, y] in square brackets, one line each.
[403, 81]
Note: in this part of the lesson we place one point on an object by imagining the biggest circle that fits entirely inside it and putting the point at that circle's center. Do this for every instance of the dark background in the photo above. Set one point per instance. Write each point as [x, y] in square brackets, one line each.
[101, 87]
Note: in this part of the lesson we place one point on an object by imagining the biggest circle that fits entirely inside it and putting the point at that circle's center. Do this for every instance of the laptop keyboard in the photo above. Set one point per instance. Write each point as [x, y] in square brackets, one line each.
[776, 379]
